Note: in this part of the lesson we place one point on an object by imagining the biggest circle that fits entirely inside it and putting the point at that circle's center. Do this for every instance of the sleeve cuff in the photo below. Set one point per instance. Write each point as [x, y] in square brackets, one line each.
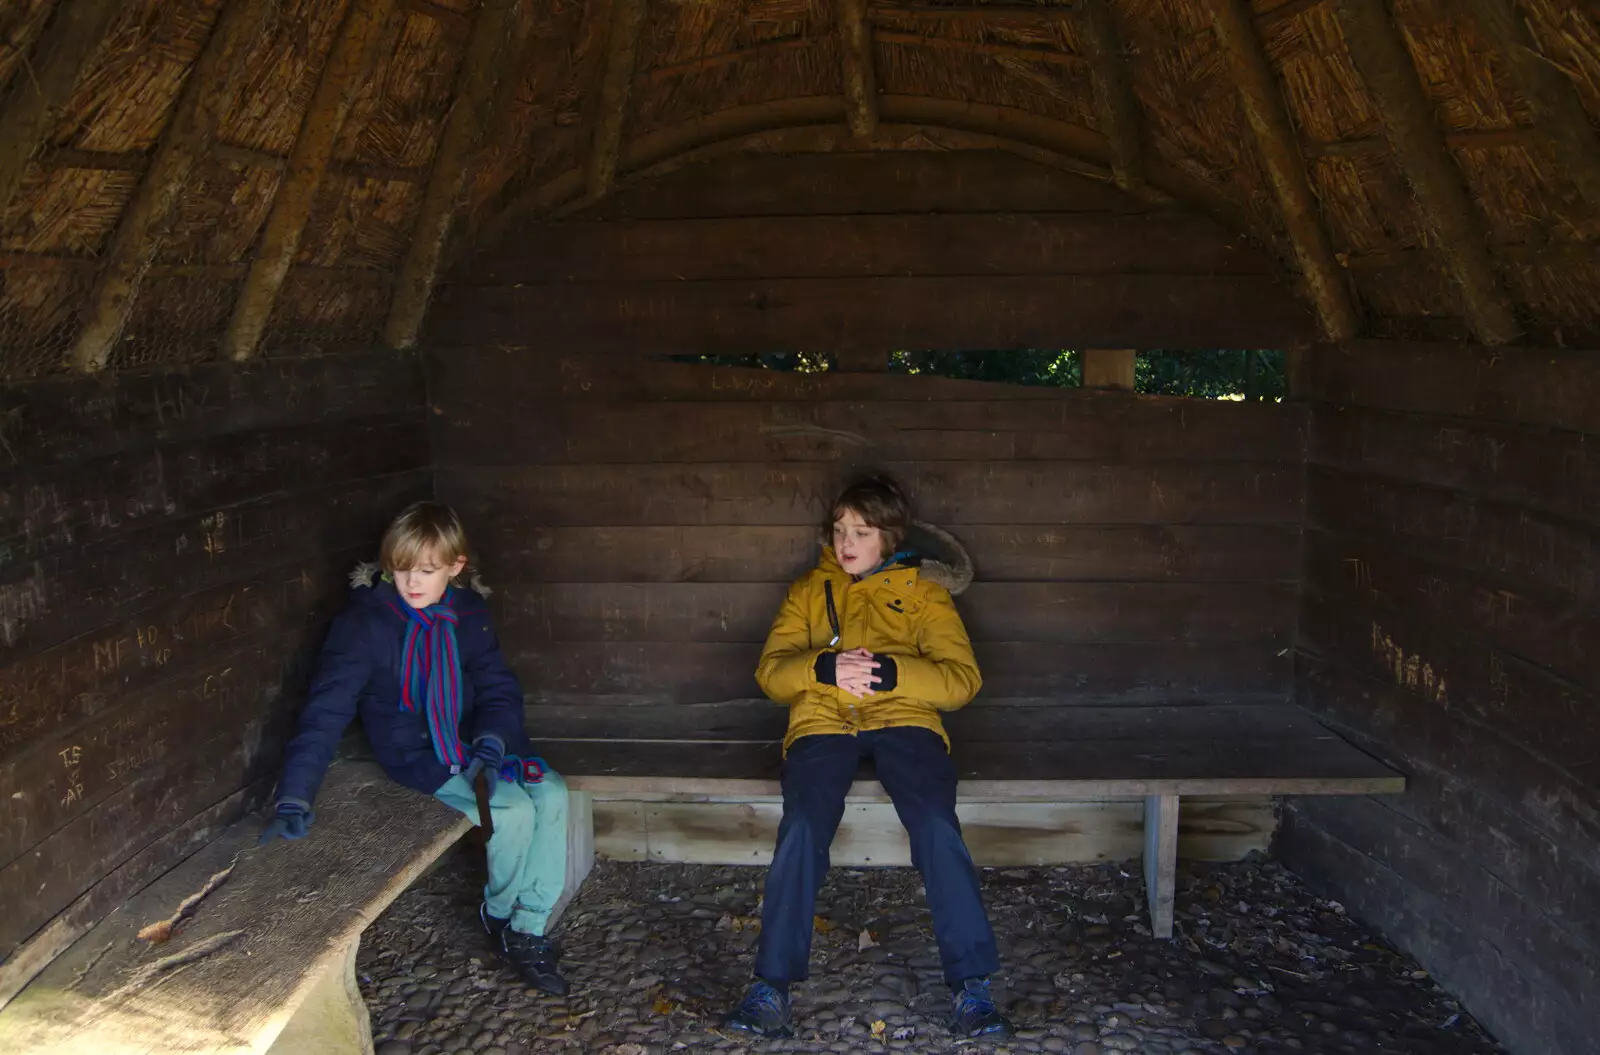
[296, 804]
[494, 737]
[826, 668]
[888, 673]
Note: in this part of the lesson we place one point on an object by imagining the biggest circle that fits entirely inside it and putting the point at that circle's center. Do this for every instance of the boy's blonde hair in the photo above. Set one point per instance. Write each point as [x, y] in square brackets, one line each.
[423, 527]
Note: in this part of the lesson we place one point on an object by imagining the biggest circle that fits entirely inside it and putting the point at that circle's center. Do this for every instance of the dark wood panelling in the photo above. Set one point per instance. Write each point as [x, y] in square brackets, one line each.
[1449, 621]
[776, 314]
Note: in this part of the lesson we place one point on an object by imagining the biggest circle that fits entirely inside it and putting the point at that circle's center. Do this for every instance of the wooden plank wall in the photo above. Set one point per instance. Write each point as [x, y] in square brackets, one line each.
[1450, 621]
[903, 249]
[170, 546]
[644, 516]
[643, 519]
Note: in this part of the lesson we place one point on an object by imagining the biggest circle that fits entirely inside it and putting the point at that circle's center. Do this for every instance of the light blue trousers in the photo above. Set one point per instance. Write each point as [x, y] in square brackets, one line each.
[528, 852]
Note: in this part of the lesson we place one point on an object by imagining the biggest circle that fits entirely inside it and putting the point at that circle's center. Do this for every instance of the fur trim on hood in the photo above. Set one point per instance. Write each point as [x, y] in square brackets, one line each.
[945, 560]
[367, 572]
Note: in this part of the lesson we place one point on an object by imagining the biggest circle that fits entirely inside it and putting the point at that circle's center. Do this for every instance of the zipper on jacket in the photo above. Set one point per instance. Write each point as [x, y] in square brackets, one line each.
[833, 612]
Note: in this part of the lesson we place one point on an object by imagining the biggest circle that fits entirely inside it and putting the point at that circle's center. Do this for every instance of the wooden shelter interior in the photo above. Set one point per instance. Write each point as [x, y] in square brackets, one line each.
[269, 269]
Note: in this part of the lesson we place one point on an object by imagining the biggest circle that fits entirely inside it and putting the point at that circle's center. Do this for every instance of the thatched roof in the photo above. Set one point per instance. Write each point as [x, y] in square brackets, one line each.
[554, 111]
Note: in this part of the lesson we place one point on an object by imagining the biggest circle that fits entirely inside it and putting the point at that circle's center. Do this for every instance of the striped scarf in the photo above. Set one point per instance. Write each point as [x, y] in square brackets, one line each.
[430, 668]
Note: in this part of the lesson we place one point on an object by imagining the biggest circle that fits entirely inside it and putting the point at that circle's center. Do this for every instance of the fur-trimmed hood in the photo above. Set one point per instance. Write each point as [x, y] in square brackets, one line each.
[938, 556]
[368, 572]
[944, 559]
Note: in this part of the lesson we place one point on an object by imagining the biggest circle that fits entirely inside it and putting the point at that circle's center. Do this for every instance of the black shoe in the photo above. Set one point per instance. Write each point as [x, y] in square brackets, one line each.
[534, 957]
[764, 1011]
[973, 1015]
[493, 926]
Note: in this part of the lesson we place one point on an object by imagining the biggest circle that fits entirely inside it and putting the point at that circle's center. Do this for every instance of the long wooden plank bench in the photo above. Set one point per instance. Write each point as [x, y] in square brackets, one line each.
[1161, 755]
[263, 941]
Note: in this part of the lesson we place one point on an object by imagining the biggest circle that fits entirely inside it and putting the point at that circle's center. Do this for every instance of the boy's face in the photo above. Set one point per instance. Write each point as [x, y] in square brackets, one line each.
[425, 584]
[857, 544]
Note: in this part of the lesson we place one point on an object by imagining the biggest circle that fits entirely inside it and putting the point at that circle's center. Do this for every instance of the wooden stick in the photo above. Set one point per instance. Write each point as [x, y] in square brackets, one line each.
[481, 67]
[1116, 107]
[616, 85]
[723, 58]
[448, 17]
[206, 93]
[347, 68]
[860, 71]
[1384, 63]
[1010, 51]
[1557, 111]
[1286, 168]
[44, 85]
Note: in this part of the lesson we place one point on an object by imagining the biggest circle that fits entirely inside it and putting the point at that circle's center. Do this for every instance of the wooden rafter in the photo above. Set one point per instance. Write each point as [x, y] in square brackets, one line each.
[980, 47]
[1286, 168]
[481, 69]
[1557, 110]
[206, 92]
[1269, 20]
[860, 70]
[108, 161]
[447, 17]
[348, 66]
[701, 63]
[1385, 65]
[616, 87]
[44, 85]
[1116, 107]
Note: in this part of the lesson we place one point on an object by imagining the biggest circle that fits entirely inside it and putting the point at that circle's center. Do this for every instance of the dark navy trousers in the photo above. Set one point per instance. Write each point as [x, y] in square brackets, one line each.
[915, 769]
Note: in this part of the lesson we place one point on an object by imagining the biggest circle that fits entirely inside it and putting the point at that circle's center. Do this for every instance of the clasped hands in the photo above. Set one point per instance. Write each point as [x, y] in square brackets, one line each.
[857, 672]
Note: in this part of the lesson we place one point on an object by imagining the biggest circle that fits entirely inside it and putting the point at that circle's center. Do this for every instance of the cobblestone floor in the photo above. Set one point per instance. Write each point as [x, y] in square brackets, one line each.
[657, 952]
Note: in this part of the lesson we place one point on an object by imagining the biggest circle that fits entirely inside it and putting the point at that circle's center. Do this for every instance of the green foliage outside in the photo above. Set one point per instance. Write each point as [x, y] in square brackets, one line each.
[1254, 374]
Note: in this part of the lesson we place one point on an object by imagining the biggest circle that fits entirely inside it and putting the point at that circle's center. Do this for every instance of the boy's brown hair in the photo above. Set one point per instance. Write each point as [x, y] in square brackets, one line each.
[421, 527]
[880, 501]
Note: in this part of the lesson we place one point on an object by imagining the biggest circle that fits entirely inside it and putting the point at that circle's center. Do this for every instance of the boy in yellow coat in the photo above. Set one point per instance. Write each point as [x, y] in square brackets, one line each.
[866, 651]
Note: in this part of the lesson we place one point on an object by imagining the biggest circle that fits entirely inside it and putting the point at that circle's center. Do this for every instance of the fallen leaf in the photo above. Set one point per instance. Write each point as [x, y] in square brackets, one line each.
[663, 1006]
[865, 942]
[823, 926]
[878, 1027]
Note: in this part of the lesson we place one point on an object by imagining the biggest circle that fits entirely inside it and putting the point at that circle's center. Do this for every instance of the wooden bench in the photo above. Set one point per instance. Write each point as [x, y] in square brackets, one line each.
[728, 791]
[262, 956]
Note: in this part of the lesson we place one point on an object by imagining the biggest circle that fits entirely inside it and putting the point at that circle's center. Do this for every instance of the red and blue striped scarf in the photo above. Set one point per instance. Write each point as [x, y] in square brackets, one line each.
[430, 668]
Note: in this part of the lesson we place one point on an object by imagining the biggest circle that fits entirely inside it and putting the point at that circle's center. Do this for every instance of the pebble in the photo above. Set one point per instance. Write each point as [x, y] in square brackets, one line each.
[655, 960]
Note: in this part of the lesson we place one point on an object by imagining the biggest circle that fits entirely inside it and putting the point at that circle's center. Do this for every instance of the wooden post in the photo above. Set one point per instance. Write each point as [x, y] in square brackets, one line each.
[1557, 111]
[205, 93]
[1286, 167]
[1384, 63]
[860, 74]
[460, 140]
[1109, 368]
[616, 86]
[348, 66]
[43, 85]
[1161, 860]
[1116, 107]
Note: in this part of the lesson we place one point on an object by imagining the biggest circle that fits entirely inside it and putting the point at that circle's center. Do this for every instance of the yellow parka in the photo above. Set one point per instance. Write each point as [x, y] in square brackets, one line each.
[905, 611]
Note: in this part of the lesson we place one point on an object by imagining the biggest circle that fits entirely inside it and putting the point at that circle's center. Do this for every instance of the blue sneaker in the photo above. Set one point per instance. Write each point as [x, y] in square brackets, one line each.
[973, 1015]
[764, 1011]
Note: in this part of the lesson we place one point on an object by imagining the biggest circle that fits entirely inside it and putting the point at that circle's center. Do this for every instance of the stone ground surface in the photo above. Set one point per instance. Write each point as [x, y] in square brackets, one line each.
[657, 952]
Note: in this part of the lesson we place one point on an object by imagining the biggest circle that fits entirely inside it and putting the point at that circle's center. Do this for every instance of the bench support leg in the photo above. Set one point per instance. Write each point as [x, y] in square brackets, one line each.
[580, 850]
[1160, 860]
[332, 1018]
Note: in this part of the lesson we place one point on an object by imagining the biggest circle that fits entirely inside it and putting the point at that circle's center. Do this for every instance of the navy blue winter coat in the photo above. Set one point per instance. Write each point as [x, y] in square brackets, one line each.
[359, 673]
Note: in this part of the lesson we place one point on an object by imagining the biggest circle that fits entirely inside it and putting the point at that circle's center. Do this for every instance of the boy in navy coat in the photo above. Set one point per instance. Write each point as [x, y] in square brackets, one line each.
[414, 655]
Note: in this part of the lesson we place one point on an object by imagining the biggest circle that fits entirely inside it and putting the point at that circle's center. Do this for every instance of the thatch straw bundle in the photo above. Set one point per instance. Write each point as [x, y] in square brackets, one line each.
[1026, 77]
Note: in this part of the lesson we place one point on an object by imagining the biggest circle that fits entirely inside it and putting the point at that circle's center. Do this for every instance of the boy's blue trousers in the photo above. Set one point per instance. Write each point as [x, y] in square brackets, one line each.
[915, 769]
